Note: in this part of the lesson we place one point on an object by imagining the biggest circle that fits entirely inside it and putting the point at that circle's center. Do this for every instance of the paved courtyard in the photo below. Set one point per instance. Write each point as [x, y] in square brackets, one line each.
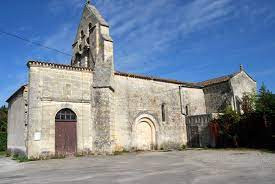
[192, 166]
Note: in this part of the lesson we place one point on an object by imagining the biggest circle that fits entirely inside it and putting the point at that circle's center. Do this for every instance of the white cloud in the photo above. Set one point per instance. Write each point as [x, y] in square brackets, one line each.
[142, 29]
[145, 29]
[57, 6]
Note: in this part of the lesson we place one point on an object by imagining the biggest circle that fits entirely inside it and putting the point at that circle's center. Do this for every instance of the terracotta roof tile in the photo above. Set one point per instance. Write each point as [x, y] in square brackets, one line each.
[186, 84]
[217, 80]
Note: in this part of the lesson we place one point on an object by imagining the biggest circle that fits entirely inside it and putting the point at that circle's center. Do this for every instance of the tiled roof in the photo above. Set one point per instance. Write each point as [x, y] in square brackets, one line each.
[69, 67]
[186, 84]
[146, 77]
[217, 80]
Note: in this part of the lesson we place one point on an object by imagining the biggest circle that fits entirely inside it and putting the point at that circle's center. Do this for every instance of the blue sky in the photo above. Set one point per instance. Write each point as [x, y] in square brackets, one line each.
[189, 40]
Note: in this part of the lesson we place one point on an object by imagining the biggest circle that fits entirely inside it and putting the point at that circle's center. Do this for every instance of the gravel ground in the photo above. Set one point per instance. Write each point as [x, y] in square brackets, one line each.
[191, 166]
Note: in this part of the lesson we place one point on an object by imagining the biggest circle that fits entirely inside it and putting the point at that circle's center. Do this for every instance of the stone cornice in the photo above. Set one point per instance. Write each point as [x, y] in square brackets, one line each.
[51, 99]
[57, 66]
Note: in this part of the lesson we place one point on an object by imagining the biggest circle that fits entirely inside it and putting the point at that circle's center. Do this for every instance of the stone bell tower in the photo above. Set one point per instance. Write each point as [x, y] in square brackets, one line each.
[93, 48]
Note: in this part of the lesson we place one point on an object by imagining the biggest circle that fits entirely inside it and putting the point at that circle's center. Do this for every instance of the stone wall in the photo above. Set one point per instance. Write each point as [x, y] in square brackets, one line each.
[202, 123]
[240, 84]
[17, 121]
[218, 97]
[50, 90]
[193, 101]
[137, 97]
[104, 122]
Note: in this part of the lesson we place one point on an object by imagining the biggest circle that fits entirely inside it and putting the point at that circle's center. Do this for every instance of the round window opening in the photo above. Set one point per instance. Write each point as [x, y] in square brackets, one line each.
[65, 115]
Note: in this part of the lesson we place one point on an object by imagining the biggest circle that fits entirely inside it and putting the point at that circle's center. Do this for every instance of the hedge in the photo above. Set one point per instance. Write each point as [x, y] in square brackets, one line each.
[3, 141]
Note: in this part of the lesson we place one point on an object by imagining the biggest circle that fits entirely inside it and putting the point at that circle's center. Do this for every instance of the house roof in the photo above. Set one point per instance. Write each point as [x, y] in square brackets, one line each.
[145, 77]
[21, 89]
[217, 80]
[221, 79]
[185, 84]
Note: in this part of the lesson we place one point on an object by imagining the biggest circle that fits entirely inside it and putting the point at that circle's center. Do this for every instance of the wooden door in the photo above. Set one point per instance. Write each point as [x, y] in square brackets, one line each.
[195, 141]
[193, 136]
[65, 138]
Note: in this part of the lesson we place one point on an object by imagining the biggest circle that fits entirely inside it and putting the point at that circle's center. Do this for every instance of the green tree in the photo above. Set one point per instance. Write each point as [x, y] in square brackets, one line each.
[3, 119]
[249, 103]
[265, 103]
[228, 123]
[3, 128]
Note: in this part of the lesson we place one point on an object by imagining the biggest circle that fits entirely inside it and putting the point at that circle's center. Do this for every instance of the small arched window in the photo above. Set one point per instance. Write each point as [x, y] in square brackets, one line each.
[187, 110]
[163, 112]
[66, 115]
[82, 34]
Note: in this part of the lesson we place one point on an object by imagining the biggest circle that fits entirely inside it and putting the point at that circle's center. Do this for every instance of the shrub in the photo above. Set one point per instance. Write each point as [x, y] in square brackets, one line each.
[3, 128]
[20, 158]
[183, 147]
[3, 141]
[248, 103]
[254, 128]
[228, 126]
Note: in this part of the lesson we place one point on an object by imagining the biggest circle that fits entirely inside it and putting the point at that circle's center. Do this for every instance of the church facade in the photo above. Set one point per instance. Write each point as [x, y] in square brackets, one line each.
[88, 107]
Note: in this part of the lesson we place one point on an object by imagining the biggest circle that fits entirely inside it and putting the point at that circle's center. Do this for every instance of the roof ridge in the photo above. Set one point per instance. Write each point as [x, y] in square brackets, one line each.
[186, 84]
[217, 80]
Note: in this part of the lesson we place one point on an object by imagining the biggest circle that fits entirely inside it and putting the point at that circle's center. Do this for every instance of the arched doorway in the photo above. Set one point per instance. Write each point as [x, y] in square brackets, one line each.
[145, 134]
[65, 132]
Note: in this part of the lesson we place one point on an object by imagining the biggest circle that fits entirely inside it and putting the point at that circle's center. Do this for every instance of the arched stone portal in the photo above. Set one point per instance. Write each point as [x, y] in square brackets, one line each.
[145, 130]
[65, 132]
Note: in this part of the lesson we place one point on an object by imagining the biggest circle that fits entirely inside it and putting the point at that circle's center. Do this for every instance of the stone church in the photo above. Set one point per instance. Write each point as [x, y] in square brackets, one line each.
[87, 107]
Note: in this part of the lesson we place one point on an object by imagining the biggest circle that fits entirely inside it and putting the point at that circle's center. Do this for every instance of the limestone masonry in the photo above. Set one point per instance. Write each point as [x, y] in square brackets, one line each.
[89, 108]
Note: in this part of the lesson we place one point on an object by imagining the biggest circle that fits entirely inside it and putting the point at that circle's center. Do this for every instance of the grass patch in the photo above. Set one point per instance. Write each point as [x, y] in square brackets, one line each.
[23, 158]
[20, 158]
[120, 152]
[3, 153]
[182, 148]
